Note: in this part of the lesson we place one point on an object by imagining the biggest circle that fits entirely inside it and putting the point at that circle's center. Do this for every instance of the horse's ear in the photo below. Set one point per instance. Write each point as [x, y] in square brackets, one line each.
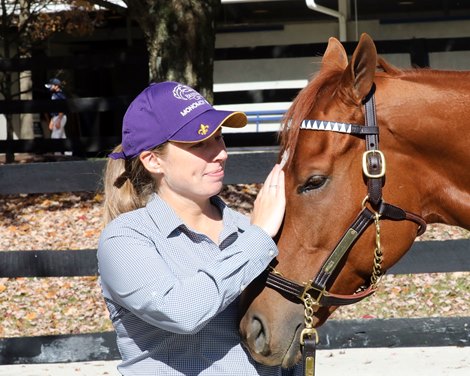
[335, 54]
[359, 75]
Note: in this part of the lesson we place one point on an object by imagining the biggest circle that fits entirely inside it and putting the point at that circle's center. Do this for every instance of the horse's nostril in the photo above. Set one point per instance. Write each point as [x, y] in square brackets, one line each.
[257, 337]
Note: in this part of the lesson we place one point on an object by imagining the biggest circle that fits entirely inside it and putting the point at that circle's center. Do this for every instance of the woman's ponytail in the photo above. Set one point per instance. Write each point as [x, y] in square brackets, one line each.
[127, 186]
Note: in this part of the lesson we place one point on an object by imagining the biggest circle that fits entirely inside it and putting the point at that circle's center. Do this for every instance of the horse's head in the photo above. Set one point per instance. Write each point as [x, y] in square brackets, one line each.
[329, 235]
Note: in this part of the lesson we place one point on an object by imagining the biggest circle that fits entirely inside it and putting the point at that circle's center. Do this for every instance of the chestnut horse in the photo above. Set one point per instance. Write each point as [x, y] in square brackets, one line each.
[373, 154]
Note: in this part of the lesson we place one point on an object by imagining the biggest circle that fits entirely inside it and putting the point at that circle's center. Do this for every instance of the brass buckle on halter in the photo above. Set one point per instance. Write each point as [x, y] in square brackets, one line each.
[308, 333]
[365, 168]
[305, 293]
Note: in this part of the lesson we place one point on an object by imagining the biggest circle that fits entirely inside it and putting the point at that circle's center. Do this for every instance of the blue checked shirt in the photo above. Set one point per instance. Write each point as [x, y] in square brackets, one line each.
[172, 292]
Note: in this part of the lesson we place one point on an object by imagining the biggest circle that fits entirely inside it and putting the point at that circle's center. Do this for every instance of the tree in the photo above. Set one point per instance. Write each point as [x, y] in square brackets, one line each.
[180, 38]
[25, 23]
[179, 34]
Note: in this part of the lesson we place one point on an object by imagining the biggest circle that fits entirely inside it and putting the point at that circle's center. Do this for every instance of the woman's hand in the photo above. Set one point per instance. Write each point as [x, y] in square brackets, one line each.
[270, 204]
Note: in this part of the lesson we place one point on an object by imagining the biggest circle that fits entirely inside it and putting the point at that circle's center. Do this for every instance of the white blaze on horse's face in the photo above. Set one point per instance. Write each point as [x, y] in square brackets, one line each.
[285, 157]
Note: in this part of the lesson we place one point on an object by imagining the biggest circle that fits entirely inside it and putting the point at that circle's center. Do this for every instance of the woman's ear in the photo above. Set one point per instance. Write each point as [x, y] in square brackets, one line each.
[151, 162]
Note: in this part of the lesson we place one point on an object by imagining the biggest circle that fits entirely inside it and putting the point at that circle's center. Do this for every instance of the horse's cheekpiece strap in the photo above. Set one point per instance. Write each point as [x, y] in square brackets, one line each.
[369, 95]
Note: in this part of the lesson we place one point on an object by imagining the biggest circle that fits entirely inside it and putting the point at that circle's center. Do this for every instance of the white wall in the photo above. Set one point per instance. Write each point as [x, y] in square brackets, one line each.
[295, 69]
[235, 75]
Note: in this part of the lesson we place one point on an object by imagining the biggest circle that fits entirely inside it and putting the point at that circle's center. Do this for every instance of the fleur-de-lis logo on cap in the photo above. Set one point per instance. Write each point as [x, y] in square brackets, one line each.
[203, 129]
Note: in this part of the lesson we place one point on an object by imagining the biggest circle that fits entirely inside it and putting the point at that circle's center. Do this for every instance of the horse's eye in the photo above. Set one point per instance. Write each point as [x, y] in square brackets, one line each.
[314, 182]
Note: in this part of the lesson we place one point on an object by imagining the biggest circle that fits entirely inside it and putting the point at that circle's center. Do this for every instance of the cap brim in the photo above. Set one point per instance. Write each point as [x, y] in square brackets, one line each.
[206, 124]
[48, 85]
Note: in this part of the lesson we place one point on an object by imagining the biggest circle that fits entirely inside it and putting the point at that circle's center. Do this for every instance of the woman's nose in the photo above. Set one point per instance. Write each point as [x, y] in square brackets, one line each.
[222, 154]
[219, 150]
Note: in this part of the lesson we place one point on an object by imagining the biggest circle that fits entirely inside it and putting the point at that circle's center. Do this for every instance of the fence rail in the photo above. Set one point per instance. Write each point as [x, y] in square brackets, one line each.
[423, 257]
[334, 334]
[245, 165]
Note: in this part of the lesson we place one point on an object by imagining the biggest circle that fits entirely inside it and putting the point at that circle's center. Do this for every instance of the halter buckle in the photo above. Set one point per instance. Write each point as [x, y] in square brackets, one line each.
[306, 295]
[381, 163]
[308, 333]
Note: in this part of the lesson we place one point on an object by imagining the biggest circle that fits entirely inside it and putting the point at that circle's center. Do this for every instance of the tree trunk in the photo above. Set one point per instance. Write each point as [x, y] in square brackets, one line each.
[6, 84]
[25, 82]
[180, 37]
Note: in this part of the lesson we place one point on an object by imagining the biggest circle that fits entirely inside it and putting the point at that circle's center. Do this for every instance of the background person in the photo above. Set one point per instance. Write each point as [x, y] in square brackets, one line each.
[58, 119]
[173, 258]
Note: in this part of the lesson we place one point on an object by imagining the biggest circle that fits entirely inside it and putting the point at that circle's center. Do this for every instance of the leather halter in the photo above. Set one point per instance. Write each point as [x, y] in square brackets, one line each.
[374, 171]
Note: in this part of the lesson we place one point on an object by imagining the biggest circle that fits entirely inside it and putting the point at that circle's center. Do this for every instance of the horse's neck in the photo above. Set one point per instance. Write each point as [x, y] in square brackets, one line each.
[432, 127]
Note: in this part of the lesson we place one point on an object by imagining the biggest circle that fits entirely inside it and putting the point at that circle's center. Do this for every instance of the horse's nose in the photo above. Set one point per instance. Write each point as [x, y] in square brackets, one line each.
[257, 335]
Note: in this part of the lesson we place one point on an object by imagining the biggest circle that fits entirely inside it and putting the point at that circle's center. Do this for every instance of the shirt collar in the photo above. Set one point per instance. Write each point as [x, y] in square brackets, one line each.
[158, 209]
[230, 217]
[163, 215]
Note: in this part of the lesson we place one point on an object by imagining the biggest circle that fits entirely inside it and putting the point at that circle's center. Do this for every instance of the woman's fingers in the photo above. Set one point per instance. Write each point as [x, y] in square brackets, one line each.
[269, 206]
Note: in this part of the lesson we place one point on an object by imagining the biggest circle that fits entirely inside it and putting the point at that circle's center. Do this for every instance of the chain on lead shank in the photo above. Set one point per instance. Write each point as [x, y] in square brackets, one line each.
[309, 330]
[309, 336]
[378, 254]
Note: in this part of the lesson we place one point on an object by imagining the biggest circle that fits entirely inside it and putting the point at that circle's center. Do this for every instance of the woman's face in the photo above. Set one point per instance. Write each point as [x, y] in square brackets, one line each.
[194, 170]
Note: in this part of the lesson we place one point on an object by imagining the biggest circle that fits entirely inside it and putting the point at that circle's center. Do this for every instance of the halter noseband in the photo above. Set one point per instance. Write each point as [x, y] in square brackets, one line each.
[374, 170]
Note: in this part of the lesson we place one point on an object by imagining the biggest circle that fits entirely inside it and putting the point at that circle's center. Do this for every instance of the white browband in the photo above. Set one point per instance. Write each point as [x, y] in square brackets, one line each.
[321, 125]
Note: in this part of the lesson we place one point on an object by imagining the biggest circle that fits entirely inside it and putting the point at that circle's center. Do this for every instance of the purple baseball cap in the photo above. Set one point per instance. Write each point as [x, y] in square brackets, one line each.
[170, 111]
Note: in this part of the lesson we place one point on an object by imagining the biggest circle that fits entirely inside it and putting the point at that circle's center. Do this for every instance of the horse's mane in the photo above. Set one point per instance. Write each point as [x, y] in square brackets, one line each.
[415, 73]
[301, 107]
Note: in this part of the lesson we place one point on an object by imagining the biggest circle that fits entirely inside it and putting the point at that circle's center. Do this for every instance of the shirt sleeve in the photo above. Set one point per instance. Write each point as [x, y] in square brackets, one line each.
[135, 275]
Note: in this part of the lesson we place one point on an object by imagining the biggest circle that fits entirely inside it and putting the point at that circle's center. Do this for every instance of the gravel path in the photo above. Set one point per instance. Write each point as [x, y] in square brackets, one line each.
[430, 361]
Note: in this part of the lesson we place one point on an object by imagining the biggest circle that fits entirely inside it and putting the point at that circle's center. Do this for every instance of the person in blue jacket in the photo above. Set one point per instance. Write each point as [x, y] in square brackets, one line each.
[173, 257]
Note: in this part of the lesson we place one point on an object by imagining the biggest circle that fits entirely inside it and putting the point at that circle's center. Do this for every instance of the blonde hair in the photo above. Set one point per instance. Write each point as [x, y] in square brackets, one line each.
[127, 185]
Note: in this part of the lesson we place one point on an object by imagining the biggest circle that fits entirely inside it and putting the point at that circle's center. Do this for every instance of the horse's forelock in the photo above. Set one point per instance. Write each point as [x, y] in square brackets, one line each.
[301, 108]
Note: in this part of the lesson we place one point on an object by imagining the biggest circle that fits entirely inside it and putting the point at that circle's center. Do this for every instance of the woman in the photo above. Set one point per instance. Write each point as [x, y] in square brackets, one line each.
[173, 257]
